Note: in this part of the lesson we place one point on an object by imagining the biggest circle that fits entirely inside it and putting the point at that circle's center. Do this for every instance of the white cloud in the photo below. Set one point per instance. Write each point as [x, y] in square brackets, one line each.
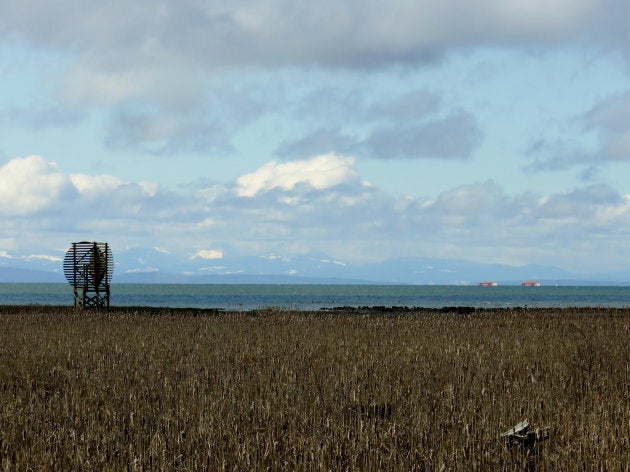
[208, 254]
[613, 213]
[5, 255]
[149, 188]
[319, 172]
[206, 223]
[95, 184]
[31, 184]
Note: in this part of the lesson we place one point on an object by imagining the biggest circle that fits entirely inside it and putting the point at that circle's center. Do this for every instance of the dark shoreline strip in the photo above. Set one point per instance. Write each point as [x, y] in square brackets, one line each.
[341, 310]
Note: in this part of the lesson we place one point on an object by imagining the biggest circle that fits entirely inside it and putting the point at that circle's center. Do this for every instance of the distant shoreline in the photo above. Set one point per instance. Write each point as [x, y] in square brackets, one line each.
[341, 310]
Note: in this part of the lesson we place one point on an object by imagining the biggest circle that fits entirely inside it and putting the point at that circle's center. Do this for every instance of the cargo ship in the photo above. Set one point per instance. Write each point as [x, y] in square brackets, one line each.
[530, 283]
[488, 283]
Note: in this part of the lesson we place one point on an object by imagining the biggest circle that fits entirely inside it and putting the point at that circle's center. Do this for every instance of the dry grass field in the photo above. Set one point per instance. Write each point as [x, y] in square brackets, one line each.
[160, 389]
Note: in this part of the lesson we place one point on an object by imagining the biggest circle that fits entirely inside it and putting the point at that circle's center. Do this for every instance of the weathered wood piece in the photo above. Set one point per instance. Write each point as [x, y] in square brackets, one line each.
[522, 435]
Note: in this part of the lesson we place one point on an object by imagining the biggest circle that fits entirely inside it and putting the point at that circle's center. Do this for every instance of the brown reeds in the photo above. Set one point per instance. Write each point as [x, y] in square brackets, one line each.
[139, 389]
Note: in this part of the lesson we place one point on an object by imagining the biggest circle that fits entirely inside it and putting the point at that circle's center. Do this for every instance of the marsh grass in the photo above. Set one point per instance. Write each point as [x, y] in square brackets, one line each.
[140, 389]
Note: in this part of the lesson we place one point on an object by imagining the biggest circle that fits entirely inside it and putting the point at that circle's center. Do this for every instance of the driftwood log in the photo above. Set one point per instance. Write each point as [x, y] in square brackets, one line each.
[522, 435]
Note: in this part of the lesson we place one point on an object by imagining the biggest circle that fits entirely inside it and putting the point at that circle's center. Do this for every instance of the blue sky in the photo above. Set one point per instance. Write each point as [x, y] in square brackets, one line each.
[487, 130]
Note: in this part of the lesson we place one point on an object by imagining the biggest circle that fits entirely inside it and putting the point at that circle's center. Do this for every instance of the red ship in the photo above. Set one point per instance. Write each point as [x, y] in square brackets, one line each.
[530, 283]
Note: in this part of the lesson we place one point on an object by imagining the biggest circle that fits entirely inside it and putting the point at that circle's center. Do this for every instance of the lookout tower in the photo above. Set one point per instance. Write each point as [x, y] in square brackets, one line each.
[88, 267]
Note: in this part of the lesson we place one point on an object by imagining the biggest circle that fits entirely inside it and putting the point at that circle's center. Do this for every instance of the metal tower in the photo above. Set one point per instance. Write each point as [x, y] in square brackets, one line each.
[88, 267]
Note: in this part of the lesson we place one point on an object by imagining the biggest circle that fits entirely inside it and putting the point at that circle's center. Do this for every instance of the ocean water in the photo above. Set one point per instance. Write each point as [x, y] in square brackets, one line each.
[315, 297]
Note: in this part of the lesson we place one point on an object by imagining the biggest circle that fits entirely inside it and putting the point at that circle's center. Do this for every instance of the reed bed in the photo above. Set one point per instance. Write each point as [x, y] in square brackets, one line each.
[146, 389]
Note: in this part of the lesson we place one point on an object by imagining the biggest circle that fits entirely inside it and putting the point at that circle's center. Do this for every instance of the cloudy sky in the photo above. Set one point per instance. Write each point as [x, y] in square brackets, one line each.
[487, 130]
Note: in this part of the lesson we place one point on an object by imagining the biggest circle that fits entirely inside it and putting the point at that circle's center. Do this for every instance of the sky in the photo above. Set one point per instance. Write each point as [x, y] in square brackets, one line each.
[487, 130]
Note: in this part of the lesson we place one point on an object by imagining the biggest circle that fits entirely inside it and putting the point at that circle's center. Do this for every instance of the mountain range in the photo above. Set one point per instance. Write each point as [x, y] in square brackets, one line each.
[152, 265]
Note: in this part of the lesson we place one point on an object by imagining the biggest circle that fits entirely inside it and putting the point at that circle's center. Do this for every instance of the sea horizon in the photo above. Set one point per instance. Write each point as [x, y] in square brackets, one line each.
[322, 296]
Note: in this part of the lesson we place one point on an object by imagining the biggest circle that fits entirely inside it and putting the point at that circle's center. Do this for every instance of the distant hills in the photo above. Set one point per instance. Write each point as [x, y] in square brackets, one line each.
[156, 266]
[18, 275]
